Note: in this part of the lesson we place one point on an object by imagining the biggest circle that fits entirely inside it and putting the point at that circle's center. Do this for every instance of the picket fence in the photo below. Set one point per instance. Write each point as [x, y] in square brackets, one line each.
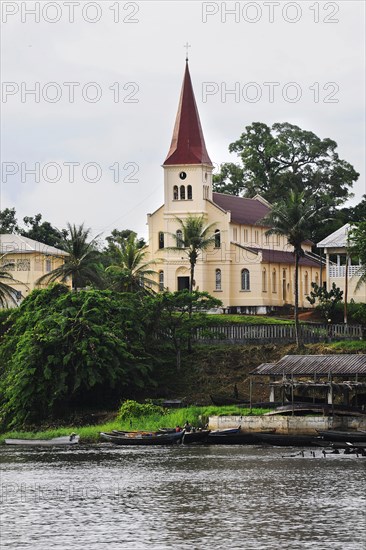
[308, 333]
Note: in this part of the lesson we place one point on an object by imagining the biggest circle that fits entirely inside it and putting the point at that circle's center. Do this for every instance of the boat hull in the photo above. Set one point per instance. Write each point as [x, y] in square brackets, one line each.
[67, 440]
[143, 440]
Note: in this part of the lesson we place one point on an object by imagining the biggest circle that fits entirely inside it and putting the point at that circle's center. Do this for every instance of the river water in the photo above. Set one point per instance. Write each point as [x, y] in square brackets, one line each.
[197, 497]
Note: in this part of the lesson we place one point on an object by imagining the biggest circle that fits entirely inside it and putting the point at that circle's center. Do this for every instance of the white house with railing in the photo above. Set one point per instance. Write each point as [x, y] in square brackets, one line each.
[339, 268]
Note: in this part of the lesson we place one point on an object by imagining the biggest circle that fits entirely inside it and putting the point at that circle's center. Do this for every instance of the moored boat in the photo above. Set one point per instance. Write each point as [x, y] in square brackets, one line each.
[198, 436]
[286, 440]
[343, 436]
[65, 440]
[143, 439]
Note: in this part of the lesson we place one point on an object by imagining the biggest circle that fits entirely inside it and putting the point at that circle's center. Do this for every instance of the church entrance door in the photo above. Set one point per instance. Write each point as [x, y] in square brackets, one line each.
[183, 283]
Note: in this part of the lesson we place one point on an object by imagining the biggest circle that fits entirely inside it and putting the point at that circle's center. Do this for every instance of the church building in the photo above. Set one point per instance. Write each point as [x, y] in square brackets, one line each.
[247, 270]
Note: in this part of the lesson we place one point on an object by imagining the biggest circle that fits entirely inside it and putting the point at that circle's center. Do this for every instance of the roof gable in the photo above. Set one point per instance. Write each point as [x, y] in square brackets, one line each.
[243, 211]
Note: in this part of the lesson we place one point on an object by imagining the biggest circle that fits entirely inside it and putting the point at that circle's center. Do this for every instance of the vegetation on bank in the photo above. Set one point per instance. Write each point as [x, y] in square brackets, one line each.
[197, 416]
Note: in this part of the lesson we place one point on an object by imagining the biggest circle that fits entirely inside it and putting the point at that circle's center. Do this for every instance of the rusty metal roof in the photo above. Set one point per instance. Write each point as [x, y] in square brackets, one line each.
[314, 364]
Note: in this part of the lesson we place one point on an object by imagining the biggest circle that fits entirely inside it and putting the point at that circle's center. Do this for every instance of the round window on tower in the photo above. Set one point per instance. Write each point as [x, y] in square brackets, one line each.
[182, 175]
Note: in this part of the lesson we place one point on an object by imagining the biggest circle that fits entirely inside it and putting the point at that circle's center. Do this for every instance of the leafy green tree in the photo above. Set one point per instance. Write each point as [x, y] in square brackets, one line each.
[118, 239]
[357, 247]
[275, 159]
[42, 232]
[82, 263]
[327, 299]
[8, 221]
[196, 236]
[293, 217]
[171, 313]
[67, 348]
[131, 272]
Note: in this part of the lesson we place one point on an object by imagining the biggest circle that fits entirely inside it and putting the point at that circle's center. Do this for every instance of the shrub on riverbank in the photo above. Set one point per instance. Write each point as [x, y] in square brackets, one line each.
[196, 416]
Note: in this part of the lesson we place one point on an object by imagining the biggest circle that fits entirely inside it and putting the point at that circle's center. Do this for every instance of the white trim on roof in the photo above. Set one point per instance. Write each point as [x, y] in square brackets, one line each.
[17, 244]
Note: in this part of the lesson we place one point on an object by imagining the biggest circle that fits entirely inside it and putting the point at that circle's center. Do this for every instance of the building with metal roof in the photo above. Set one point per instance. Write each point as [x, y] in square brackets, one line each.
[339, 268]
[327, 379]
[27, 260]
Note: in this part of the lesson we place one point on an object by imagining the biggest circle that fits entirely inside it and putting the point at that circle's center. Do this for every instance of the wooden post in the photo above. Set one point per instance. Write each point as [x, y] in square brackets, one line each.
[292, 393]
[250, 392]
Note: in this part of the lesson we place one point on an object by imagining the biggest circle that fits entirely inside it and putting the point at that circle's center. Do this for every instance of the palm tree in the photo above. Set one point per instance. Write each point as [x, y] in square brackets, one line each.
[193, 237]
[293, 217]
[131, 272]
[82, 262]
[8, 294]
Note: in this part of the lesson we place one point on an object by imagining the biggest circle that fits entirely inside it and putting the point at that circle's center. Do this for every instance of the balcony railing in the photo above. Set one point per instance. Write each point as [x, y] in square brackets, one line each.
[340, 271]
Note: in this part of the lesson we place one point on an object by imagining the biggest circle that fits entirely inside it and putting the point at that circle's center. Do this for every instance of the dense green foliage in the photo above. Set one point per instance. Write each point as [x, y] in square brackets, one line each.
[275, 159]
[132, 409]
[65, 347]
[326, 300]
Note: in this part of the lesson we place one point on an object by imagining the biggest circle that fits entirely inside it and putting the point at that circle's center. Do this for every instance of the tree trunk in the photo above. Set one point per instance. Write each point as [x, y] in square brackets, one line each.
[189, 346]
[296, 313]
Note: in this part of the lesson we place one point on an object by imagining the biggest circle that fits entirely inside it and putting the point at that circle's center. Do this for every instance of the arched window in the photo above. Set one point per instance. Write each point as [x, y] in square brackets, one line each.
[179, 239]
[306, 283]
[217, 238]
[274, 281]
[161, 281]
[182, 192]
[161, 239]
[264, 280]
[218, 279]
[317, 278]
[175, 192]
[245, 279]
[189, 192]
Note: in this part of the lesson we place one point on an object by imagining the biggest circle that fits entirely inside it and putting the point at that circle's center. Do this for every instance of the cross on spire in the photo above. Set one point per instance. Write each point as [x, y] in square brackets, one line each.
[186, 46]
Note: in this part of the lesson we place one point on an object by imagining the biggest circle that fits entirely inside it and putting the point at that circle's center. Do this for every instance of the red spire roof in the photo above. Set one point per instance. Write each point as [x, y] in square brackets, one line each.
[188, 144]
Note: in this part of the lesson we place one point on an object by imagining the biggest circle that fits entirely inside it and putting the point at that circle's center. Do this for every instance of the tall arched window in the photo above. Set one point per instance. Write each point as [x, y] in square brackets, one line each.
[306, 283]
[179, 238]
[218, 279]
[161, 239]
[161, 281]
[189, 192]
[182, 192]
[175, 192]
[274, 281]
[317, 278]
[217, 238]
[245, 279]
[264, 280]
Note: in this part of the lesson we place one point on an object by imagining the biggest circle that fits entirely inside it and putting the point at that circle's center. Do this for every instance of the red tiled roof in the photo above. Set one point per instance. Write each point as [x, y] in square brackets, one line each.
[244, 211]
[282, 257]
[188, 144]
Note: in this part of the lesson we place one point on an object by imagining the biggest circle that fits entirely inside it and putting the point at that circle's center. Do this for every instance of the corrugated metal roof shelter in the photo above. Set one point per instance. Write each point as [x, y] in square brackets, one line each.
[326, 377]
[302, 365]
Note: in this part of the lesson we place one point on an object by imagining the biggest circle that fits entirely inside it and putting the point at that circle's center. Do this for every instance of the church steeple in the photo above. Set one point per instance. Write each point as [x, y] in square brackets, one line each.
[188, 144]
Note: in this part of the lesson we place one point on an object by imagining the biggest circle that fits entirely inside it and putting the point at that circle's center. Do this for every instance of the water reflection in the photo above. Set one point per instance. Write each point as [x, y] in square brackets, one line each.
[182, 498]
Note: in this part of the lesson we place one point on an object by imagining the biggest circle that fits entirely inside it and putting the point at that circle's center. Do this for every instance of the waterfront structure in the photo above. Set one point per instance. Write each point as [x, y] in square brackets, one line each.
[27, 260]
[328, 376]
[339, 268]
[247, 270]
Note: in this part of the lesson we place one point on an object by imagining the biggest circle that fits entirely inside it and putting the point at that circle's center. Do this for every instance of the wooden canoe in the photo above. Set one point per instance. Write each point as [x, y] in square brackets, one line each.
[143, 439]
[66, 440]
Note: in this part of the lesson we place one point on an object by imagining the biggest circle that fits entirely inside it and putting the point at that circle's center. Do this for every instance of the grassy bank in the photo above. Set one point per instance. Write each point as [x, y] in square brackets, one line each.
[197, 416]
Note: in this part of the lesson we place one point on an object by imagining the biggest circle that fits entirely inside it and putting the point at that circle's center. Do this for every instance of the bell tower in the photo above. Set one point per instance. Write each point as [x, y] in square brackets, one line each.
[187, 167]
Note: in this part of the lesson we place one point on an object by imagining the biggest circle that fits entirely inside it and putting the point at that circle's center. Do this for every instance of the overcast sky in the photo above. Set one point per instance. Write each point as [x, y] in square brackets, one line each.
[298, 62]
